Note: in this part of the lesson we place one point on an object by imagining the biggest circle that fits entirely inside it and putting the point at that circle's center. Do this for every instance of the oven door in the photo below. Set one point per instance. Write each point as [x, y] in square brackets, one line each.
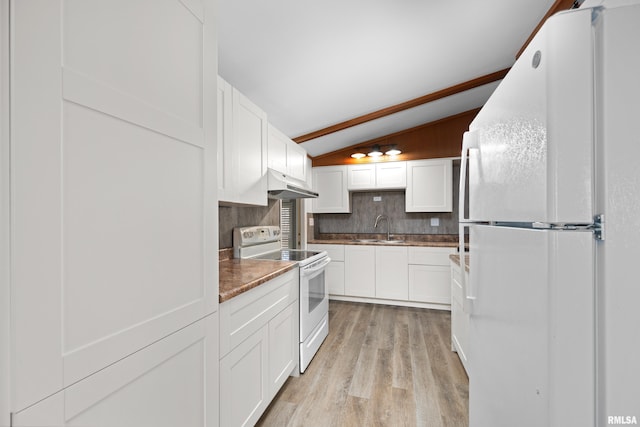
[314, 296]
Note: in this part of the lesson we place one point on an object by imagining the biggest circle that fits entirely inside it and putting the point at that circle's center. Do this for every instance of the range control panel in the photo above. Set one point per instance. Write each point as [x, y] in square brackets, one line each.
[249, 236]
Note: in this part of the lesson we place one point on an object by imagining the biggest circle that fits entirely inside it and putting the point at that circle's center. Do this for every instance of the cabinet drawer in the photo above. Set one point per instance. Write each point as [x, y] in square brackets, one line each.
[245, 314]
[429, 256]
[335, 252]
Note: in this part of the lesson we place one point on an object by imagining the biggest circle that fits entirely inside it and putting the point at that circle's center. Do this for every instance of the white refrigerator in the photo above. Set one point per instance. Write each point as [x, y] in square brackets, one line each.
[554, 228]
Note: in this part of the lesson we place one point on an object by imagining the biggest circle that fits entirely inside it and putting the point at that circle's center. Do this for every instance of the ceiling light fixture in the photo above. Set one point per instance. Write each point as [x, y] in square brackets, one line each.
[393, 151]
[375, 152]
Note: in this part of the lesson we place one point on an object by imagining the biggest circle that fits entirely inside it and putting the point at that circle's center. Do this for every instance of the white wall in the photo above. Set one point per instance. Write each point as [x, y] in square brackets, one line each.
[4, 212]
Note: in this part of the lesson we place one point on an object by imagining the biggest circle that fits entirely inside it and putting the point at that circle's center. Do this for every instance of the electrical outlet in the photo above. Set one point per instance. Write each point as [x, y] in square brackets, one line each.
[311, 222]
[435, 222]
[377, 198]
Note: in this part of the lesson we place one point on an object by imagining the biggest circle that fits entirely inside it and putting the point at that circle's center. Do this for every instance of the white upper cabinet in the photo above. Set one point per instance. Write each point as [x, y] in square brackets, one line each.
[286, 156]
[113, 151]
[225, 140]
[377, 176]
[330, 182]
[277, 150]
[249, 152]
[296, 161]
[391, 175]
[242, 148]
[361, 177]
[429, 186]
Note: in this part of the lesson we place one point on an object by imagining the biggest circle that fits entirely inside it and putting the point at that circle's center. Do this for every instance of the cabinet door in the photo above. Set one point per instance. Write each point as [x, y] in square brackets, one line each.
[459, 318]
[277, 150]
[430, 283]
[308, 203]
[334, 275]
[244, 381]
[429, 186]
[172, 382]
[250, 151]
[392, 273]
[391, 175]
[330, 182]
[360, 271]
[361, 177]
[225, 140]
[283, 342]
[296, 161]
[112, 189]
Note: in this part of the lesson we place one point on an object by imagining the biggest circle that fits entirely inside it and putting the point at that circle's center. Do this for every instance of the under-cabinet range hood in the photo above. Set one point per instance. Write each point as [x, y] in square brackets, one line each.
[282, 186]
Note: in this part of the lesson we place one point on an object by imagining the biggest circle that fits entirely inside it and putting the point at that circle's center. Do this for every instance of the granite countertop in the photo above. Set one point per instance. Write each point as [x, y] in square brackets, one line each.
[456, 258]
[240, 275]
[428, 240]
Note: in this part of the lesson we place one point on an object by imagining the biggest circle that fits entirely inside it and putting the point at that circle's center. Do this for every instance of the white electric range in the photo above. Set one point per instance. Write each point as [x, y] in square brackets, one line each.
[264, 242]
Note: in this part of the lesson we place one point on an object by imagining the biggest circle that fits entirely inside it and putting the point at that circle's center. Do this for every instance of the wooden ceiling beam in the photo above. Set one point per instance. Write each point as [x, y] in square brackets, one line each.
[558, 6]
[452, 90]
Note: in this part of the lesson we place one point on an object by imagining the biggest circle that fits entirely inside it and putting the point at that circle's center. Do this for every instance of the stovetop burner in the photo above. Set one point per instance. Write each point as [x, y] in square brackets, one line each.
[288, 255]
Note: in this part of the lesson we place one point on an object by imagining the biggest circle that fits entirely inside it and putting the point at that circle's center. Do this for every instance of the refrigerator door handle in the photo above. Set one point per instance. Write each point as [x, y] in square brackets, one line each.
[466, 286]
[469, 141]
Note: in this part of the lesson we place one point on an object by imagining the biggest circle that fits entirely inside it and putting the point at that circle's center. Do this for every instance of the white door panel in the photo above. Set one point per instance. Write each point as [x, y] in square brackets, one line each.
[161, 385]
[113, 183]
[531, 339]
[619, 201]
[107, 55]
[534, 158]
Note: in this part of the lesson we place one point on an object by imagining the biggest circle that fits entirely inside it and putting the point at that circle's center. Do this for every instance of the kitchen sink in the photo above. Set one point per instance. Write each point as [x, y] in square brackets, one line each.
[386, 242]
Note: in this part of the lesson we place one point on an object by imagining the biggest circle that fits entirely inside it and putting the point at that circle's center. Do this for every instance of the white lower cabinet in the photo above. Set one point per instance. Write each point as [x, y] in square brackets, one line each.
[459, 316]
[334, 272]
[334, 276]
[283, 341]
[406, 275]
[243, 385]
[360, 271]
[429, 275]
[258, 348]
[429, 283]
[391, 273]
[171, 382]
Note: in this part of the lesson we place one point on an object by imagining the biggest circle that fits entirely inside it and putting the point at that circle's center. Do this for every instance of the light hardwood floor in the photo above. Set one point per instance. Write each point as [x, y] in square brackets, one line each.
[380, 366]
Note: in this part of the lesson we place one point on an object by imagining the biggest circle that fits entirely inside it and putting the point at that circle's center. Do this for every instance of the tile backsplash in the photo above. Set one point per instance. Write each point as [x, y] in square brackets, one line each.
[364, 212]
[230, 217]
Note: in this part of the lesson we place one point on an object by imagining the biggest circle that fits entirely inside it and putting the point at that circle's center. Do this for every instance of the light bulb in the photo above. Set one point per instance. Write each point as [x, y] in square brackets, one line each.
[375, 151]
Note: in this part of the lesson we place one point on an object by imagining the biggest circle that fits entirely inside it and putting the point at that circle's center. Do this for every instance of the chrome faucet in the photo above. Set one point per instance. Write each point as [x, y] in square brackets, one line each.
[380, 218]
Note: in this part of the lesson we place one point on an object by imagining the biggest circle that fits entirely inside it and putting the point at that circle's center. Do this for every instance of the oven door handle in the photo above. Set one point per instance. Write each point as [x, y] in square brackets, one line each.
[310, 271]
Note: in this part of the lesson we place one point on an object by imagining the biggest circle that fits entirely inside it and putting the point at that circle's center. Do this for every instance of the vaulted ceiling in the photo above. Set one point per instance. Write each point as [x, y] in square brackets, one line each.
[314, 64]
